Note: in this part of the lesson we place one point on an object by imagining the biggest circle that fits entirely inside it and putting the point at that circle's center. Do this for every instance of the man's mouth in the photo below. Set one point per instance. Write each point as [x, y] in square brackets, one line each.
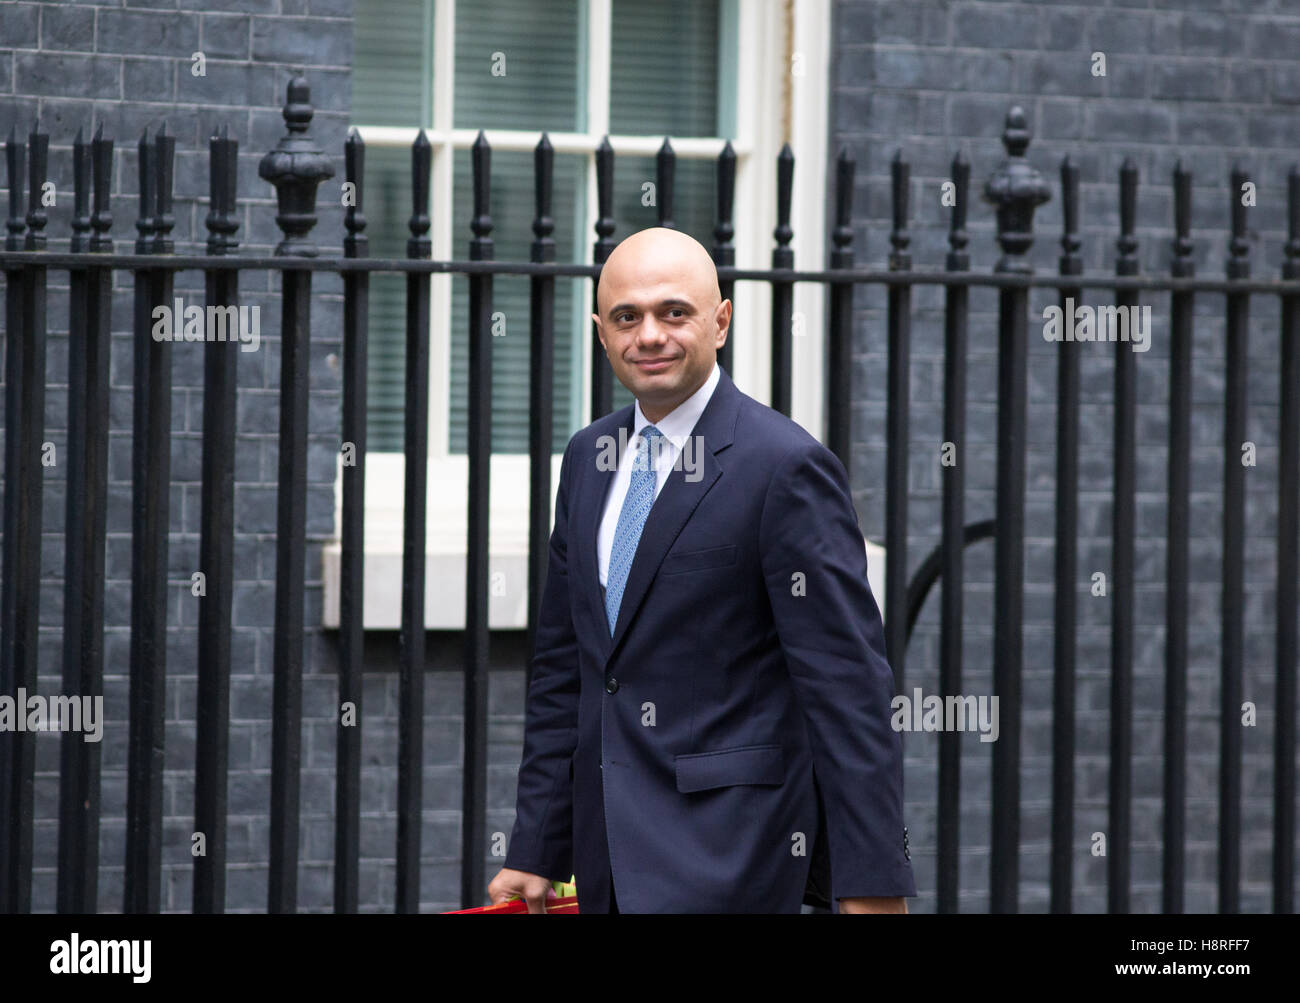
[653, 365]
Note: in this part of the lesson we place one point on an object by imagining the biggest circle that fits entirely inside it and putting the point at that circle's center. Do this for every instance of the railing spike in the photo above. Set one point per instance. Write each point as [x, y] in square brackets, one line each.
[16, 159]
[1182, 265]
[144, 220]
[38, 161]
[900, 173]
[1238, 266]
[665, 180]
[355, 243]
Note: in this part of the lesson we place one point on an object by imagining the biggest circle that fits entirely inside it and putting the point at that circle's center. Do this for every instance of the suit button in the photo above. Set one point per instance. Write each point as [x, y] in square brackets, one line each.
[611, 685]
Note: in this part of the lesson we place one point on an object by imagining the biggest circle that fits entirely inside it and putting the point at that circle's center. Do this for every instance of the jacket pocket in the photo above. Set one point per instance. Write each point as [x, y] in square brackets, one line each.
[698, 560]
[746, 764]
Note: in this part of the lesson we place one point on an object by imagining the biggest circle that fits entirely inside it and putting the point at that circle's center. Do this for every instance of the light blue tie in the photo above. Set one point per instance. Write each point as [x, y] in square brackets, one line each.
[631, 520]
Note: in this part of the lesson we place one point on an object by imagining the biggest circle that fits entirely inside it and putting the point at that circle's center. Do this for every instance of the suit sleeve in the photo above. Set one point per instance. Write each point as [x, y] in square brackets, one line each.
[833, 641]
[542, 839]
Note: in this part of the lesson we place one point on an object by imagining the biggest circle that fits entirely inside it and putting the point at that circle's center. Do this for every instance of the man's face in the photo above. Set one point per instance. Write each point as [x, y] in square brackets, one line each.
[660, 321]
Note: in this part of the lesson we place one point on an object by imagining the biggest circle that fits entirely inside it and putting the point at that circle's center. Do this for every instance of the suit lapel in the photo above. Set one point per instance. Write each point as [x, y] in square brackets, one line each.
[676, 502]
[594, 507]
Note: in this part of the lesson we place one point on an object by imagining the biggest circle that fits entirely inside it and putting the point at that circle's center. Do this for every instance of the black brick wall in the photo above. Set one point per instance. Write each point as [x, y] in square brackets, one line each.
[1208, 82]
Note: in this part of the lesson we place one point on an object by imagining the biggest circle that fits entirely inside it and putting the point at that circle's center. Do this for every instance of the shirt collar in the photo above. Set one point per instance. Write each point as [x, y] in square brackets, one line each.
[677, 424]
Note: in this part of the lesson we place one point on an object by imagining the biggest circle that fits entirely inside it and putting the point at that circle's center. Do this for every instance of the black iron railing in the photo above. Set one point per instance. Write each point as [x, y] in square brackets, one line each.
[295, 168]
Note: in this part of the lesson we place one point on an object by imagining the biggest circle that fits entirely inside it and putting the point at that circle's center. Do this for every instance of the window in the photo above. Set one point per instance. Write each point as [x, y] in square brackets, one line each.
[700, 71]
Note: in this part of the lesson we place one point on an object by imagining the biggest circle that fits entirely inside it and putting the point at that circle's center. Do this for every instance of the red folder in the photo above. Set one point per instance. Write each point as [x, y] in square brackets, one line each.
[566, 906]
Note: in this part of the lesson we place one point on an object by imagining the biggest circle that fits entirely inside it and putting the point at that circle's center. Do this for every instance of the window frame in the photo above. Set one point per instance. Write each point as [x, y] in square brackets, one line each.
[768, 35]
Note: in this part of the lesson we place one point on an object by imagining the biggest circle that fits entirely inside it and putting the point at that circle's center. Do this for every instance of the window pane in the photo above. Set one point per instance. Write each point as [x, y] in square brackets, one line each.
[512, 215]
[695, 202]
[518, 65]
[664, 61]
[387, 207]
[392, 81]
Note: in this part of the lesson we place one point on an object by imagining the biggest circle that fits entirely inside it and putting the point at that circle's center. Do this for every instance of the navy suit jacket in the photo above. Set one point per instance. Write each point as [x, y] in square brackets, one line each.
[678, 755]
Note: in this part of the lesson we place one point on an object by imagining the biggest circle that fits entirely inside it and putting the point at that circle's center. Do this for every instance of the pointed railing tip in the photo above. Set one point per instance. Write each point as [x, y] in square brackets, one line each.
[666, 146]
[354, 135]
[162, 129]
[422, 140]
[786, 151]
[545, 142]
[80, 140]
[1129, 166]
[481, 139]
[99, 132]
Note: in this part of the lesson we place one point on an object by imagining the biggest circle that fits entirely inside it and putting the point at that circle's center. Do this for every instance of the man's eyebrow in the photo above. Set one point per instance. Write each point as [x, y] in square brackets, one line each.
[668, 304]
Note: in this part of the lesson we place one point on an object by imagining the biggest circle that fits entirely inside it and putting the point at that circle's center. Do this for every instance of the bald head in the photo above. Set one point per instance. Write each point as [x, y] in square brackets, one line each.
[656, 253]
[661, 317]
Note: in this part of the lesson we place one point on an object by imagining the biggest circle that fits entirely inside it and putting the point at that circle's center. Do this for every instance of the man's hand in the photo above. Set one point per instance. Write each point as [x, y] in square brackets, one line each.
[871, 904]
[533, 888]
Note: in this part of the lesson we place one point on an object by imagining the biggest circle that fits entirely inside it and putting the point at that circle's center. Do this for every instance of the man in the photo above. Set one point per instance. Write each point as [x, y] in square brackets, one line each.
[708, 654]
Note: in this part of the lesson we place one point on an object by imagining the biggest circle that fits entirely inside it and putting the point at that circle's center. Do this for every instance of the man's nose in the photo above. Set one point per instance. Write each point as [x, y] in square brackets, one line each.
[651, 332]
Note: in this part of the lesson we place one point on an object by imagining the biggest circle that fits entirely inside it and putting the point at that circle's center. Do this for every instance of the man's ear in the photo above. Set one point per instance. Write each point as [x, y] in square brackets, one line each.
[722, 317]
[600, 331]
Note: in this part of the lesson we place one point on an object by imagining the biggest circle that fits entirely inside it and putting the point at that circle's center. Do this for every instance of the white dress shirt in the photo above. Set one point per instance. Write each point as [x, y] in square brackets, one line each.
[676, 426]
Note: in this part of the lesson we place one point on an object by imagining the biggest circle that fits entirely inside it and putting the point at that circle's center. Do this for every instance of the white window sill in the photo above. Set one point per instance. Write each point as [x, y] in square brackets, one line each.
[444, 599]
[447, 513]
